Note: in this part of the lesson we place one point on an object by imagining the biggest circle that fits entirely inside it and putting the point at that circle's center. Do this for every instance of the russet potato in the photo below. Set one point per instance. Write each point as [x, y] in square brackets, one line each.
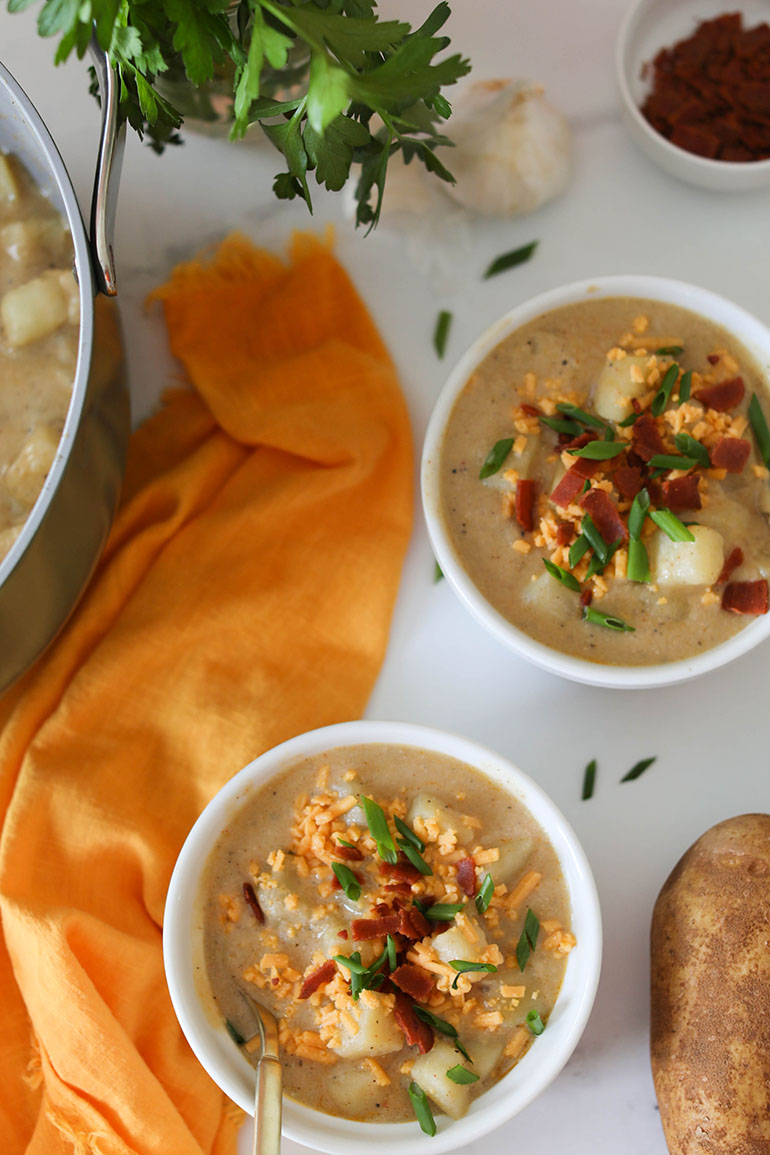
[710, 993]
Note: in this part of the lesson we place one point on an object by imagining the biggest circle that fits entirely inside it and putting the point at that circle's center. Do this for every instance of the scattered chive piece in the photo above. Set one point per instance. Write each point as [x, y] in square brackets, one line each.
[639, 509]
[684, 386]
[378, 828]
[632, 417]
[608, 433]
[527, 939]
[577, 549]
[534, 1022]
[510, 260]
[422, 1110]
[351, 962]
[484, 896]
[671, 525]
[562, 575]
[390, 947]
[462, 965]
[598, 564]
[609, 621]
[496, 456]
[443, 1028]
[443, 911]
[414, 856]
[669, 351]
[561, 425]
[759, 425]
[692, 448]
[594, 538]
[586, 486]
[342, 842]
[599, 450]
[441, 332]
[347, 880]
[460, 1074]
[589, 780]
[637, 769]
[671, 461]
[663, 396]
[438, 572]
[638, 564]
[234, 1033]
[580, 415]
[407, 833]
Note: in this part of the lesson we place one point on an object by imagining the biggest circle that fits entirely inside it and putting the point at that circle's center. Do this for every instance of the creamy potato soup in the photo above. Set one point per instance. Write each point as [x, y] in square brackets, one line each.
[604, 481]
[404, 918]
[39, 325]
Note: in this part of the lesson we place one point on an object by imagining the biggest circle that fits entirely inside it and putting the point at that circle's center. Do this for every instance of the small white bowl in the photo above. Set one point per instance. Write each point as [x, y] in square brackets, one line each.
[747, 329]
[648, 26]
[182, 951]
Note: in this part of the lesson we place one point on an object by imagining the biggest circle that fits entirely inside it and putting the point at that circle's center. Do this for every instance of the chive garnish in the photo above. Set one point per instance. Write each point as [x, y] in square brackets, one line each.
[671, 461]
[347, 880]
[414, 856]
[527, 939]
[671, 525]
[438, 572]
[495, 458]
[599, 450]
[459, 1074]
[443, 911]
[577, 549]
[669, 351]
[378, 828]
[759, 425]
[638, 564]
[390, 947]
[663, 396]
[581, 416]
[599, 564]
[422, 1110]
[594, 538]
[562, 575]
[441, 331]
[608, 433]
[367, 977]
[443, 1028]
[510, 260]
[407, 833]
[357, 971]
[483, 898]
[684, 386]
[462, 965]
[234, 1033]
[342, 842]
[693, 448]
[589, 780]
[561, 425]
[637, 769]
[609, 621]
[534, 1022]
[632, 417]
[640, 507]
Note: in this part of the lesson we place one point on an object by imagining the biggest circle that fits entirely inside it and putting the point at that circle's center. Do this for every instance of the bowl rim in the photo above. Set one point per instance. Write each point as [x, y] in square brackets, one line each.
[503, 1100]
[746, 328]
[676, 156]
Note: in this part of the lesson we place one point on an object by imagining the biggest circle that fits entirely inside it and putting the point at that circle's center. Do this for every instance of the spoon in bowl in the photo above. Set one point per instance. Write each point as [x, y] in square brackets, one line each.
[267, 1094]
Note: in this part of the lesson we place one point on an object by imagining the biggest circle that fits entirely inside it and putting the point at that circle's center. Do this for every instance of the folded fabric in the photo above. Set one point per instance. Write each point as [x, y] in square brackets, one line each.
[244, 596]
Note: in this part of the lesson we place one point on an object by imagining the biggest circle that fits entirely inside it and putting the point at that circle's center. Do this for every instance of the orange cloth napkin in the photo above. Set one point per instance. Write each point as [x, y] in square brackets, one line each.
[244, 596]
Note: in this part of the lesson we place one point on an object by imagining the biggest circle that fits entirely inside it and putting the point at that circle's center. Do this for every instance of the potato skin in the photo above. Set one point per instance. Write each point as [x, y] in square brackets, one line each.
[710, 993]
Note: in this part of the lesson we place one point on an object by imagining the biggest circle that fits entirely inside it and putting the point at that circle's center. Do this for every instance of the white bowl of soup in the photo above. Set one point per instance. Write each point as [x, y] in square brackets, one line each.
[595, 481]
[451, 885]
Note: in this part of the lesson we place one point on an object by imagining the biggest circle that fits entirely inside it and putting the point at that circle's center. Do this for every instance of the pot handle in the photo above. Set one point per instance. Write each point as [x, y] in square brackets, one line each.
[108, 165]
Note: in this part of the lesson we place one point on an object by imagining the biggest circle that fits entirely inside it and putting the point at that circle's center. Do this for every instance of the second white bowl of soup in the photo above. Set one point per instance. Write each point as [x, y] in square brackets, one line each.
[595, 481]
[416, 913]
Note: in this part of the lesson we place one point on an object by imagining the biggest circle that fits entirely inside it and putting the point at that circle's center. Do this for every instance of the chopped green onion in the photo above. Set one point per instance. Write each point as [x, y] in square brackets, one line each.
[671, 525]
[561, 425]
[562, 575]
[510, 260]
[669, 351]
[586, 486]
[347, 880]
[638, 564]
[463, 965]
[599, 450]
[414, 856]
[630, 420]
[579, 547]
[390, 947]
[342, 842]
[609, 621]
[527, 939]
[460, 1074]
[638, 513]
[663, 396]
[443, 1027]
[671, 461]
[637, 769]
[438, 573]
[234, 1033]
[759, 425]
[443, 911]
[599, 564]
[580, 415]
[378, 828]
[595, 539]
[422, 1110]
[407, 833]
[495, 458]
[589, 780]
[441, 332]
[357, 972]
[693, 448]
[684, 386]
[484, 896]
[535, 1023]
[608, 433]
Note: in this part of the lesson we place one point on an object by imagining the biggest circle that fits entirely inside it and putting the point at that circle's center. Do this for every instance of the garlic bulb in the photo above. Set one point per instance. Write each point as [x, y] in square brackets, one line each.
[512, 148]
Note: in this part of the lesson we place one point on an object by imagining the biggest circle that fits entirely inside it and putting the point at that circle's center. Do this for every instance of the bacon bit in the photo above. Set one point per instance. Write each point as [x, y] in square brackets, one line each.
[318, 978]
[466, 876]
[564, 533]
[586, 596]
[646, 438]
[352, 853]
[253, 902]
[627, 480]
[579, 441]
[745, 597]
[364, 928]
[734, 559]
[413, 981]
[722, 396]
[399, 887]
[530, 410]
[572, 482]
[400, 871]
[525, 503]
[416, 1032]
[413, 924]
[342, 934]
[730, 453]
[681, 493]
[713, 358]
[337, 885]
[599, 505]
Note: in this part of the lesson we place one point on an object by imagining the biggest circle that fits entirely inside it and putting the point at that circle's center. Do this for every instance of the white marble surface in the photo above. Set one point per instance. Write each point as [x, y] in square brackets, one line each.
[619, 215]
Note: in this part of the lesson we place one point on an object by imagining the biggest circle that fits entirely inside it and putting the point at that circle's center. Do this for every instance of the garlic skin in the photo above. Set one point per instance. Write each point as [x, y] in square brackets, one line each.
[512, 148]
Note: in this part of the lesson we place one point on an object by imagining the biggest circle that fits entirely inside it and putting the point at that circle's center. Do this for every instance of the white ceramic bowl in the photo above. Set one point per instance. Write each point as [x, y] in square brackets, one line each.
[753, 335]
[648, 26]
[228, 1068]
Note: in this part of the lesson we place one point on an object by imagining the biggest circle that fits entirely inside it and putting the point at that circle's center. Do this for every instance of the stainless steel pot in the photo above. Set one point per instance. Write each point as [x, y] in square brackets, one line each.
[50, 563]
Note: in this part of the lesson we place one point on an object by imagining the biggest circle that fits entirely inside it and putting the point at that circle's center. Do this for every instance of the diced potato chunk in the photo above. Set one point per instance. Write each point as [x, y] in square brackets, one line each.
[378, 1032]
[452, 944]
[429, 809]
[616, 384]
[513, 856]
[690, 563]
[34, 238]
[26, 474]
[485, 1052]
[430, 1072]
[9, 188]
[34, 309]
